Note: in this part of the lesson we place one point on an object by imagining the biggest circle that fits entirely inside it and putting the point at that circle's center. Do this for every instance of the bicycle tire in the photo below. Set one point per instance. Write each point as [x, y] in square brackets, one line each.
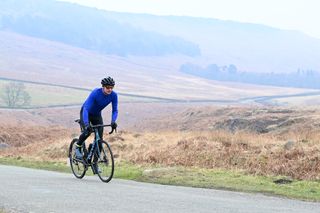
[105, 163]
[77, 167]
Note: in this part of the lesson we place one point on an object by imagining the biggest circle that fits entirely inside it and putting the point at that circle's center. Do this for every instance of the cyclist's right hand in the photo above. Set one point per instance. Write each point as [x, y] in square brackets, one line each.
[88, 129]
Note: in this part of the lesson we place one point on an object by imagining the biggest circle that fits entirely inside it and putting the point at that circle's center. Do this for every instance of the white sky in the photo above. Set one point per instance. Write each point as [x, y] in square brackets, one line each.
[302, 15]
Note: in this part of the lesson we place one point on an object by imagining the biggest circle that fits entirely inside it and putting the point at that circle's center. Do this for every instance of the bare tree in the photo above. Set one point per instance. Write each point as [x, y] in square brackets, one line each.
[15, 95]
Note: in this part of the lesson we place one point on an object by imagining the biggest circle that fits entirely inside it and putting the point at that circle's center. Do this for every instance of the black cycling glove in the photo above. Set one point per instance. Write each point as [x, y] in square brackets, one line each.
[114, 125]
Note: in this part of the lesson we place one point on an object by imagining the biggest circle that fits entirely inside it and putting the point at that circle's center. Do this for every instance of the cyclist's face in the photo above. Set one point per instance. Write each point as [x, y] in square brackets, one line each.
[107, 89]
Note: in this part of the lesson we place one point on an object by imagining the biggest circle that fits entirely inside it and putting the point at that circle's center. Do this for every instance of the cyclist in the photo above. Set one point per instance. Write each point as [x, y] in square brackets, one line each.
[91, 113]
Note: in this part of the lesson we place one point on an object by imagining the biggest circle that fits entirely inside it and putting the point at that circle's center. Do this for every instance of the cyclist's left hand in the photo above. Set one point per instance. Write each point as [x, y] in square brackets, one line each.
[114, 125]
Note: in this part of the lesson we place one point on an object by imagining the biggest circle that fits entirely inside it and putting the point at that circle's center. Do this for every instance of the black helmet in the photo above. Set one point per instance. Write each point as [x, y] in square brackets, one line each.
[107, 82]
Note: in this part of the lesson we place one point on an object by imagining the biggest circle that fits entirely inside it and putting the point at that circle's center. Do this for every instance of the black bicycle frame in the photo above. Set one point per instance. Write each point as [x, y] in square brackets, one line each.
[95, 144]
[96, 140]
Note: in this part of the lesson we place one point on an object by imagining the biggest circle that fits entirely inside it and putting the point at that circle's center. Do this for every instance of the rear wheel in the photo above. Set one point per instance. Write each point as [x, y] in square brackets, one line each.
[77, 166]
[105, 162]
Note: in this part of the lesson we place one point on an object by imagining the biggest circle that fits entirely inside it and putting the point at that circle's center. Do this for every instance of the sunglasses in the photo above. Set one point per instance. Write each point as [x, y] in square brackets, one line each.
[108, 87]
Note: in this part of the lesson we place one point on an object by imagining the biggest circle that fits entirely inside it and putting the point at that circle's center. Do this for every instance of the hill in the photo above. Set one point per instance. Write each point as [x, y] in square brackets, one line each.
[28, 58]
[251, 47]
[86, 28]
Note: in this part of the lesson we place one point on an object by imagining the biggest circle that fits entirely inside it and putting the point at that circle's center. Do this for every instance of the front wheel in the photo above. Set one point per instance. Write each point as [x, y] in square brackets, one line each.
[77, 166]
[105, 162]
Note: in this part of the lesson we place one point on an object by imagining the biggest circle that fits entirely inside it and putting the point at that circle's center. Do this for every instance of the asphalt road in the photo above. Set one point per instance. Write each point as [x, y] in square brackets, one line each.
[29, 190]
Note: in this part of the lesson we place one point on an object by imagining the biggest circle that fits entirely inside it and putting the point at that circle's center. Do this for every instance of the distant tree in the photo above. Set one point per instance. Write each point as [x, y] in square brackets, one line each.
[310, 73]
[213, 68]
[15, 95]
[232, 69]
[299, 71]
[301, 78]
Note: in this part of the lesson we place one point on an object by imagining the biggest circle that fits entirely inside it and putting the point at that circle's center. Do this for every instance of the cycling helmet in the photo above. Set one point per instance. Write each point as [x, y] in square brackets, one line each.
[107, 82]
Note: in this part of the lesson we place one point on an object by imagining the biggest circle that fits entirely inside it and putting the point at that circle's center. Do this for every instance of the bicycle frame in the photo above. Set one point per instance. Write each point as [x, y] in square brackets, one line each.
[95, 144]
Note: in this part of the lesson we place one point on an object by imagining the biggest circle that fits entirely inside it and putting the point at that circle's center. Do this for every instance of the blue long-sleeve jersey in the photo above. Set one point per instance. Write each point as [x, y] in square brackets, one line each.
[96, 102]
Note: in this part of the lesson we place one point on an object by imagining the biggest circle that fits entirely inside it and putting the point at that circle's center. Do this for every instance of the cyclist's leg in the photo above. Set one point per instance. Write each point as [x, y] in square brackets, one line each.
[95, 121]
[85, 134]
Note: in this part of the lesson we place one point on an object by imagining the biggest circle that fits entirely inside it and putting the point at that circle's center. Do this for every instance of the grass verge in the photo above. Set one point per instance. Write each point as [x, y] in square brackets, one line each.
[195, 177]
[232, 180]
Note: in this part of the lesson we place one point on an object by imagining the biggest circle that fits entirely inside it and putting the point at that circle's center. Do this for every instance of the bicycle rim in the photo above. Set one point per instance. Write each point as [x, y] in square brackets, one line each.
[77, 167]
[105, 162]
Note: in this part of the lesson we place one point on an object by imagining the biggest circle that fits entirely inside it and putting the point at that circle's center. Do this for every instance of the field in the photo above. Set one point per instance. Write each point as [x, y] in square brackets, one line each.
[299, 101]
[46, 95]
[234, 147]
[247, 139]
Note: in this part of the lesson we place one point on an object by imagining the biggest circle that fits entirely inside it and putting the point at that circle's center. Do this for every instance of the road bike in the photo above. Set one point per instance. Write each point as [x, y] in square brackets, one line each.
[98, 156]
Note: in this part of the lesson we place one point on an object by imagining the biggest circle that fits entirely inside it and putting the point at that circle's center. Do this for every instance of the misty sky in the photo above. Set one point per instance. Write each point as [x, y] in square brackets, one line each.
[302, 15]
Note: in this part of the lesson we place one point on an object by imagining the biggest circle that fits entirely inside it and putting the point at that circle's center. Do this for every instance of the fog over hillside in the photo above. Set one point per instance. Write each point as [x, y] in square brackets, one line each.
[251, 47]
[165, 43]
[87, 28]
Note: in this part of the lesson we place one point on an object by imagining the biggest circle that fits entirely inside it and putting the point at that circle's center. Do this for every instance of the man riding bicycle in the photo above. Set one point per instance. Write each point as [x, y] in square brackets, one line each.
[90, 112]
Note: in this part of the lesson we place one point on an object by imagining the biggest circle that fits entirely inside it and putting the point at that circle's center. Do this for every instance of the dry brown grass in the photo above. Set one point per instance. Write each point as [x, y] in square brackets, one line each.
[290, 147]
[255, 154]
[35, 142]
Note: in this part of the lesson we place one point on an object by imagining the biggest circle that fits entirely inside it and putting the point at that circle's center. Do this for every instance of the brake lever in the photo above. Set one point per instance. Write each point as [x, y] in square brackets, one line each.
[111, 131]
